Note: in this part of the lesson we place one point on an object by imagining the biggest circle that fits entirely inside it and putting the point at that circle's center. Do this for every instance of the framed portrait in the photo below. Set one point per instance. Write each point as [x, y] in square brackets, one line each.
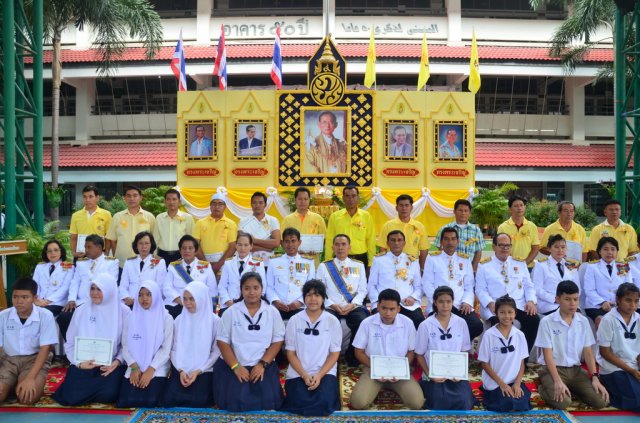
[450, 141]
[200, 140]
[326, 149]
[249, 140]
[400, 140]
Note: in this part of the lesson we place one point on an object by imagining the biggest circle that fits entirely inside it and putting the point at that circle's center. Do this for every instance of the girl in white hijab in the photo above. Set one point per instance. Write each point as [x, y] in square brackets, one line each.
[103, 317]
[146, 344]
[194, 350]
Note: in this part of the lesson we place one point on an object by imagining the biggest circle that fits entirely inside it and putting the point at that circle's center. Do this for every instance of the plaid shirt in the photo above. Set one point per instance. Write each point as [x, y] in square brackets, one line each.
[471, 238]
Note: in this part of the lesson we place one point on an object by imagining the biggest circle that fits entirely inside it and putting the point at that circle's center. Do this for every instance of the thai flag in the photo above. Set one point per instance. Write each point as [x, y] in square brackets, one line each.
[178, 65]
[276, 62]
[220, 68]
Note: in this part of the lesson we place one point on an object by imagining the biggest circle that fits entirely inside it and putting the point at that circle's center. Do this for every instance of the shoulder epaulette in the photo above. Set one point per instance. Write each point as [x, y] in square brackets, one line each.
[257, 258]
[83, 259]
[485, 260]
[41, 262]
[357, 261]
[412, 257]
[132, 258]
[620, 262]
[276, 255]
[176, 262]
[572, 261]
[381, 253]
[630, 258]
[518, 258]
[230, 258]
[594, 261]
[435, 253]
[543, 259]
[463, 255]
[110, 258]
[203, 262]
[307, 256]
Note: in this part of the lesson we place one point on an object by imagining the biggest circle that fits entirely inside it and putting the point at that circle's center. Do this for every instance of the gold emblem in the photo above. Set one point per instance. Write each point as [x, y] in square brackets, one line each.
[326, 83]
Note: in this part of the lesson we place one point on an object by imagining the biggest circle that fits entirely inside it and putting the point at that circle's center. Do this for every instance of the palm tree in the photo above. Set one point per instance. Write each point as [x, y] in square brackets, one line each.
[574, 38]
[111, 21]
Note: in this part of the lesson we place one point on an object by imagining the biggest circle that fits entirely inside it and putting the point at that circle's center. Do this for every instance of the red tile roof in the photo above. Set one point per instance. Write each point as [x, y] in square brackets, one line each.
[520, 155]
[383, 50]
[544, 155]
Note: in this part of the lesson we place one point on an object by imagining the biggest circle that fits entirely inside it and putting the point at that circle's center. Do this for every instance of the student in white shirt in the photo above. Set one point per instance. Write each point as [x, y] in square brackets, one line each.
[181, 273]
[602, 278]
[549, 271]
[53, 276]
[24, 365]
[386, 333]
[103, 317]
[619, 342]
[251, 334]
[147, 338]
[243, 262]
[264, 228]
[194, 350]
[142, 267]
[502, 352]
[564, 337]
[443, 331]
[313, 341]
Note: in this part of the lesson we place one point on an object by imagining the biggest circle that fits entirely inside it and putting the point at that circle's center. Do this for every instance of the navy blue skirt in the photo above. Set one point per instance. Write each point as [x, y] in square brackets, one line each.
[322, 401]
[495, 401]
[149, 397]
[197, 395]
[448, 395]
[87, 386]
[231, 395]
[624, 390]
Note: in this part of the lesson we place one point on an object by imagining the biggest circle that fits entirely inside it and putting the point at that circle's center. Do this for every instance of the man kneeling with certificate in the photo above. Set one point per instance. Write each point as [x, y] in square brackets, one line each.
[389, 335]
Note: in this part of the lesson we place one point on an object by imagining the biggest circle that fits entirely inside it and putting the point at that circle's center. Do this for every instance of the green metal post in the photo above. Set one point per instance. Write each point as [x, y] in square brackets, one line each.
[621, 142]
[20, 105]
[38, 181]
[9, 96]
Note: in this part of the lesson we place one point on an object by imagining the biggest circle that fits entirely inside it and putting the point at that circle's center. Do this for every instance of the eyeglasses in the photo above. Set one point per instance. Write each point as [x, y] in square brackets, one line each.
[503, 246]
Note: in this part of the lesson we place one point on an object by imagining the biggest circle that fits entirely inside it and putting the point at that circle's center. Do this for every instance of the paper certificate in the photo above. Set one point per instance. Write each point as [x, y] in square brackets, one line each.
[383, 367]
[99, 350]
[574, 250]
[448, 365]
[312, 243]
[80, 244]
[256, 229]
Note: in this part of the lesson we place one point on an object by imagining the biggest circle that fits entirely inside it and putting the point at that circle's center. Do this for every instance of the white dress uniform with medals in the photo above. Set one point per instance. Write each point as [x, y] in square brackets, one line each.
[285, 277]
[154, 269]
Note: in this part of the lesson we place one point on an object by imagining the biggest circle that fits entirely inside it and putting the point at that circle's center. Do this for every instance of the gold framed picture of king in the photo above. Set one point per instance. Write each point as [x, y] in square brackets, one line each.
[400, 140]
[450, 141]
[200, 141]
[325, 141]
[250, 142]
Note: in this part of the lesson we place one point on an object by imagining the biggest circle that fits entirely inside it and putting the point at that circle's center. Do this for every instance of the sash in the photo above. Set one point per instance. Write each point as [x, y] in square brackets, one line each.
[337, 280]
[182, 272]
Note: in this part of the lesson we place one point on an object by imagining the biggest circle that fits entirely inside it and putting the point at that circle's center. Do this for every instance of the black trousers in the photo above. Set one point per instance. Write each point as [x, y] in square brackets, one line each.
[364, 258]
[528, 325]
[168, 256]
[353, 319]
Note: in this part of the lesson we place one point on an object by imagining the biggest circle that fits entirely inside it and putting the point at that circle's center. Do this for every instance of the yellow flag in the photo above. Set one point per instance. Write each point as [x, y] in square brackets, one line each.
[370, 74]
[425, 73]
[474, 67]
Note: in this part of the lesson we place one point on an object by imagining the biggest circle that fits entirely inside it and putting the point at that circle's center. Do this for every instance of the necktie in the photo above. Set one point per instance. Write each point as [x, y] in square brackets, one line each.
[610, 269]
[141, 265]
[241, 268]
[560, 269]
[188, 269]
[93, 266]
[51, 269]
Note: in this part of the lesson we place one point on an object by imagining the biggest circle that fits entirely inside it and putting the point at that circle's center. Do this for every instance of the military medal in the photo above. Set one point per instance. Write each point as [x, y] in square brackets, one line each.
[504, 274]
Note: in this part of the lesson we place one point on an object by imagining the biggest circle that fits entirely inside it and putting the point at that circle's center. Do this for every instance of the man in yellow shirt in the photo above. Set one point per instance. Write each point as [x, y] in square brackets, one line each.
[305, 221]
[523, 233]
[171, 226]
[614, 226]
[216, 234]
[568, 228]
[417, 241]
[357, 224]
[90, 220]
[127, 224]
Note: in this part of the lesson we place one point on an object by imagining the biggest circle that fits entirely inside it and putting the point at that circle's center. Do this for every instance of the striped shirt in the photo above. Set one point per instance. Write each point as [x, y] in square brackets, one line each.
[470, 236]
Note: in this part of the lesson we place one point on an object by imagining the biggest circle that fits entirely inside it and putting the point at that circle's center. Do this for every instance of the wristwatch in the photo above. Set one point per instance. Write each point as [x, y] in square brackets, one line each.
[595, 374]
[264, 363]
